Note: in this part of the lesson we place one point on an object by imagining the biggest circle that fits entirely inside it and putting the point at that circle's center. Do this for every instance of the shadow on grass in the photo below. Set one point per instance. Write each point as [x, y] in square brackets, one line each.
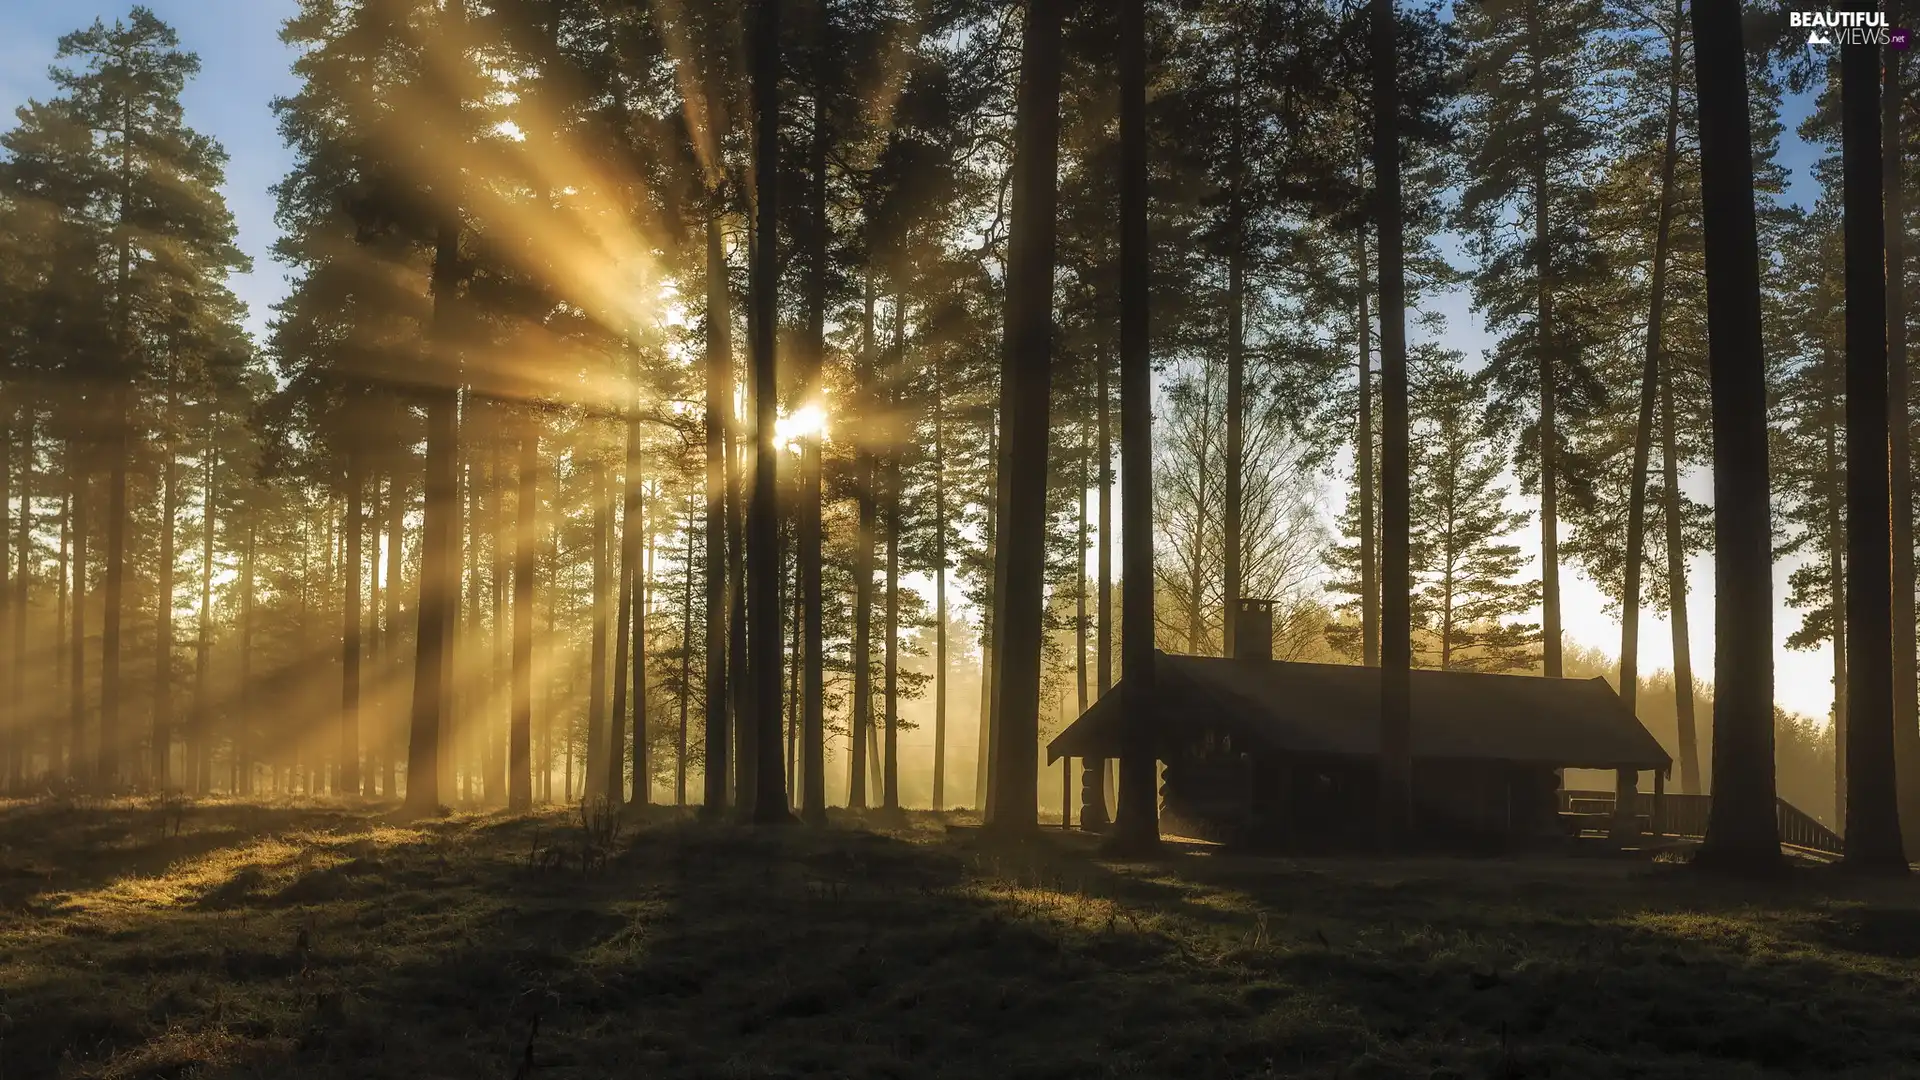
[898, 950]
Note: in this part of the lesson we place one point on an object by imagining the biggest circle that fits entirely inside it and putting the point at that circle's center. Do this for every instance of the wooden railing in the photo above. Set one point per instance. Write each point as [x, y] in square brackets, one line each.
[1686, 815]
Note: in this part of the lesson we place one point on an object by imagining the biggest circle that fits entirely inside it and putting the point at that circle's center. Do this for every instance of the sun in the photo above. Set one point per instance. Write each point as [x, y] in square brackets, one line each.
[806, 422]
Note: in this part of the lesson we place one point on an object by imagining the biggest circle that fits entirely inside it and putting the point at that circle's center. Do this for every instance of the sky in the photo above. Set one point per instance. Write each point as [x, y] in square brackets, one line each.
[244, 66]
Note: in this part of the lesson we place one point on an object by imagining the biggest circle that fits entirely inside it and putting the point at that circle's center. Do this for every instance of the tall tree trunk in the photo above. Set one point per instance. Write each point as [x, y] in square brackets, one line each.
[1834, 491]
[719, 408]
[439, 539]
[396, 536]
[763, 516]
[1906, 657]
[796, 618]
[199, 736]
[865, 475]
[1026, 376]
[1873, 804]
[499, 637]
[350, 624]
[1625, 779]
[1677, 591]
[642, 764]
[12, 734]
[525, 536]
[890, 783]
[686, 673]
[1080, 598]
[626, 611]
[740, 700]
[1093, 776]
[470, 700]
[1230, 540]
[79, 769]
[107, 766]
[939, 588]
[983, 749]
[23, 550]
[1137, 819]
[160, 747]
[594, 765]
[1396, 582]
[1549, 427]
[376, 643]
[1363, 469]
[1742, 832]
[813, 764]
[243, 752]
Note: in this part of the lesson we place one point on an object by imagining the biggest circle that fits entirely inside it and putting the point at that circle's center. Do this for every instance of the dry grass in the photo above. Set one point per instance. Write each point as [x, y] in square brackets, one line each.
[308, 940]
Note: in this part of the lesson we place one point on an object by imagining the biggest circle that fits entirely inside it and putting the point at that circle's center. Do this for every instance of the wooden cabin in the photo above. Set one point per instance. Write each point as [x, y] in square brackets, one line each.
[1285, 755]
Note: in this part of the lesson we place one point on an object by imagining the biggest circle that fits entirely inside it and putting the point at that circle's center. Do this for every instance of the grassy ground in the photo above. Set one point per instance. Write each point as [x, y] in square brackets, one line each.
[307, 940]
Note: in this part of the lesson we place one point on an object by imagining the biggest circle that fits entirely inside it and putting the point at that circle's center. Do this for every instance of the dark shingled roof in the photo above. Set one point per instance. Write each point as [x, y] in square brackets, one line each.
[1333, 710]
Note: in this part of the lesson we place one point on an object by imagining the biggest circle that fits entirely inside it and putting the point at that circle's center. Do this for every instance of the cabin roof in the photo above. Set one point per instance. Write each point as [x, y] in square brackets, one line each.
[1333, 710]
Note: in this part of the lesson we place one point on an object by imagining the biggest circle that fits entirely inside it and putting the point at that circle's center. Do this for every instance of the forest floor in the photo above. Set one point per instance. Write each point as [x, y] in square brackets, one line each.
[315, 940]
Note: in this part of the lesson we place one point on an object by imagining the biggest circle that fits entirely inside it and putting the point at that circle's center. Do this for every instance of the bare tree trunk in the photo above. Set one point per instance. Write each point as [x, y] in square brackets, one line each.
[1625, 779]
[594, 768]
[865, 476]
[1677, 592]
[1093, 779]
[1906, 657]
[350, 629]
[813, 353]
[23, 548]
[763, 515]
[525, 536]
[1873, 804]
[396, 660]
[686, 669]
[1230, 539]
[983, 753]
[107, 767]
[1136, 821]
[625, 611]
[642, 764]
[719, 408]
[1396, 583]
[1080, 599]
[1835, 493]
[243, 753]
[439, 545]
[939, 589]
[1363, 470]
[1742, 829]
[79, 771]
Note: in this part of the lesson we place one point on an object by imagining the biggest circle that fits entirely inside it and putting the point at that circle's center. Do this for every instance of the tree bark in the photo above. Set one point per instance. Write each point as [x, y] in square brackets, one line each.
[107, 765]
[1873, 806]
[642, 763]
[763, 515]
[813, 765]
[243, 754]
[1137, 818]
[439, 540]
[1834, 489]
[983, 747]
[939, 589]
[865, 472]
[1025, 384]
[594, 764]
[525, 537]
[23, 550]
[1236, 369]
[1742, 832]
[160, 745]
[1093, 777]
[396, 661]
[626, 611]
[350, 624]
[1363, 471]
[1396, 584]
[199, 735]
[1677, 592]
[686, 674]
[79, 771]
[1906, 657]
[719, 408]
[1625, 779]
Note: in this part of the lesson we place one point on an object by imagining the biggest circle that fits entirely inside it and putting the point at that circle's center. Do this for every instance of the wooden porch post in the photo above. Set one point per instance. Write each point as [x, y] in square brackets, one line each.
[1659, 802]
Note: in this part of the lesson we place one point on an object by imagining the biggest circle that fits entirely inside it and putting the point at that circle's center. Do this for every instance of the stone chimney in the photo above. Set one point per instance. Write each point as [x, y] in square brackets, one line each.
[1253, 630]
